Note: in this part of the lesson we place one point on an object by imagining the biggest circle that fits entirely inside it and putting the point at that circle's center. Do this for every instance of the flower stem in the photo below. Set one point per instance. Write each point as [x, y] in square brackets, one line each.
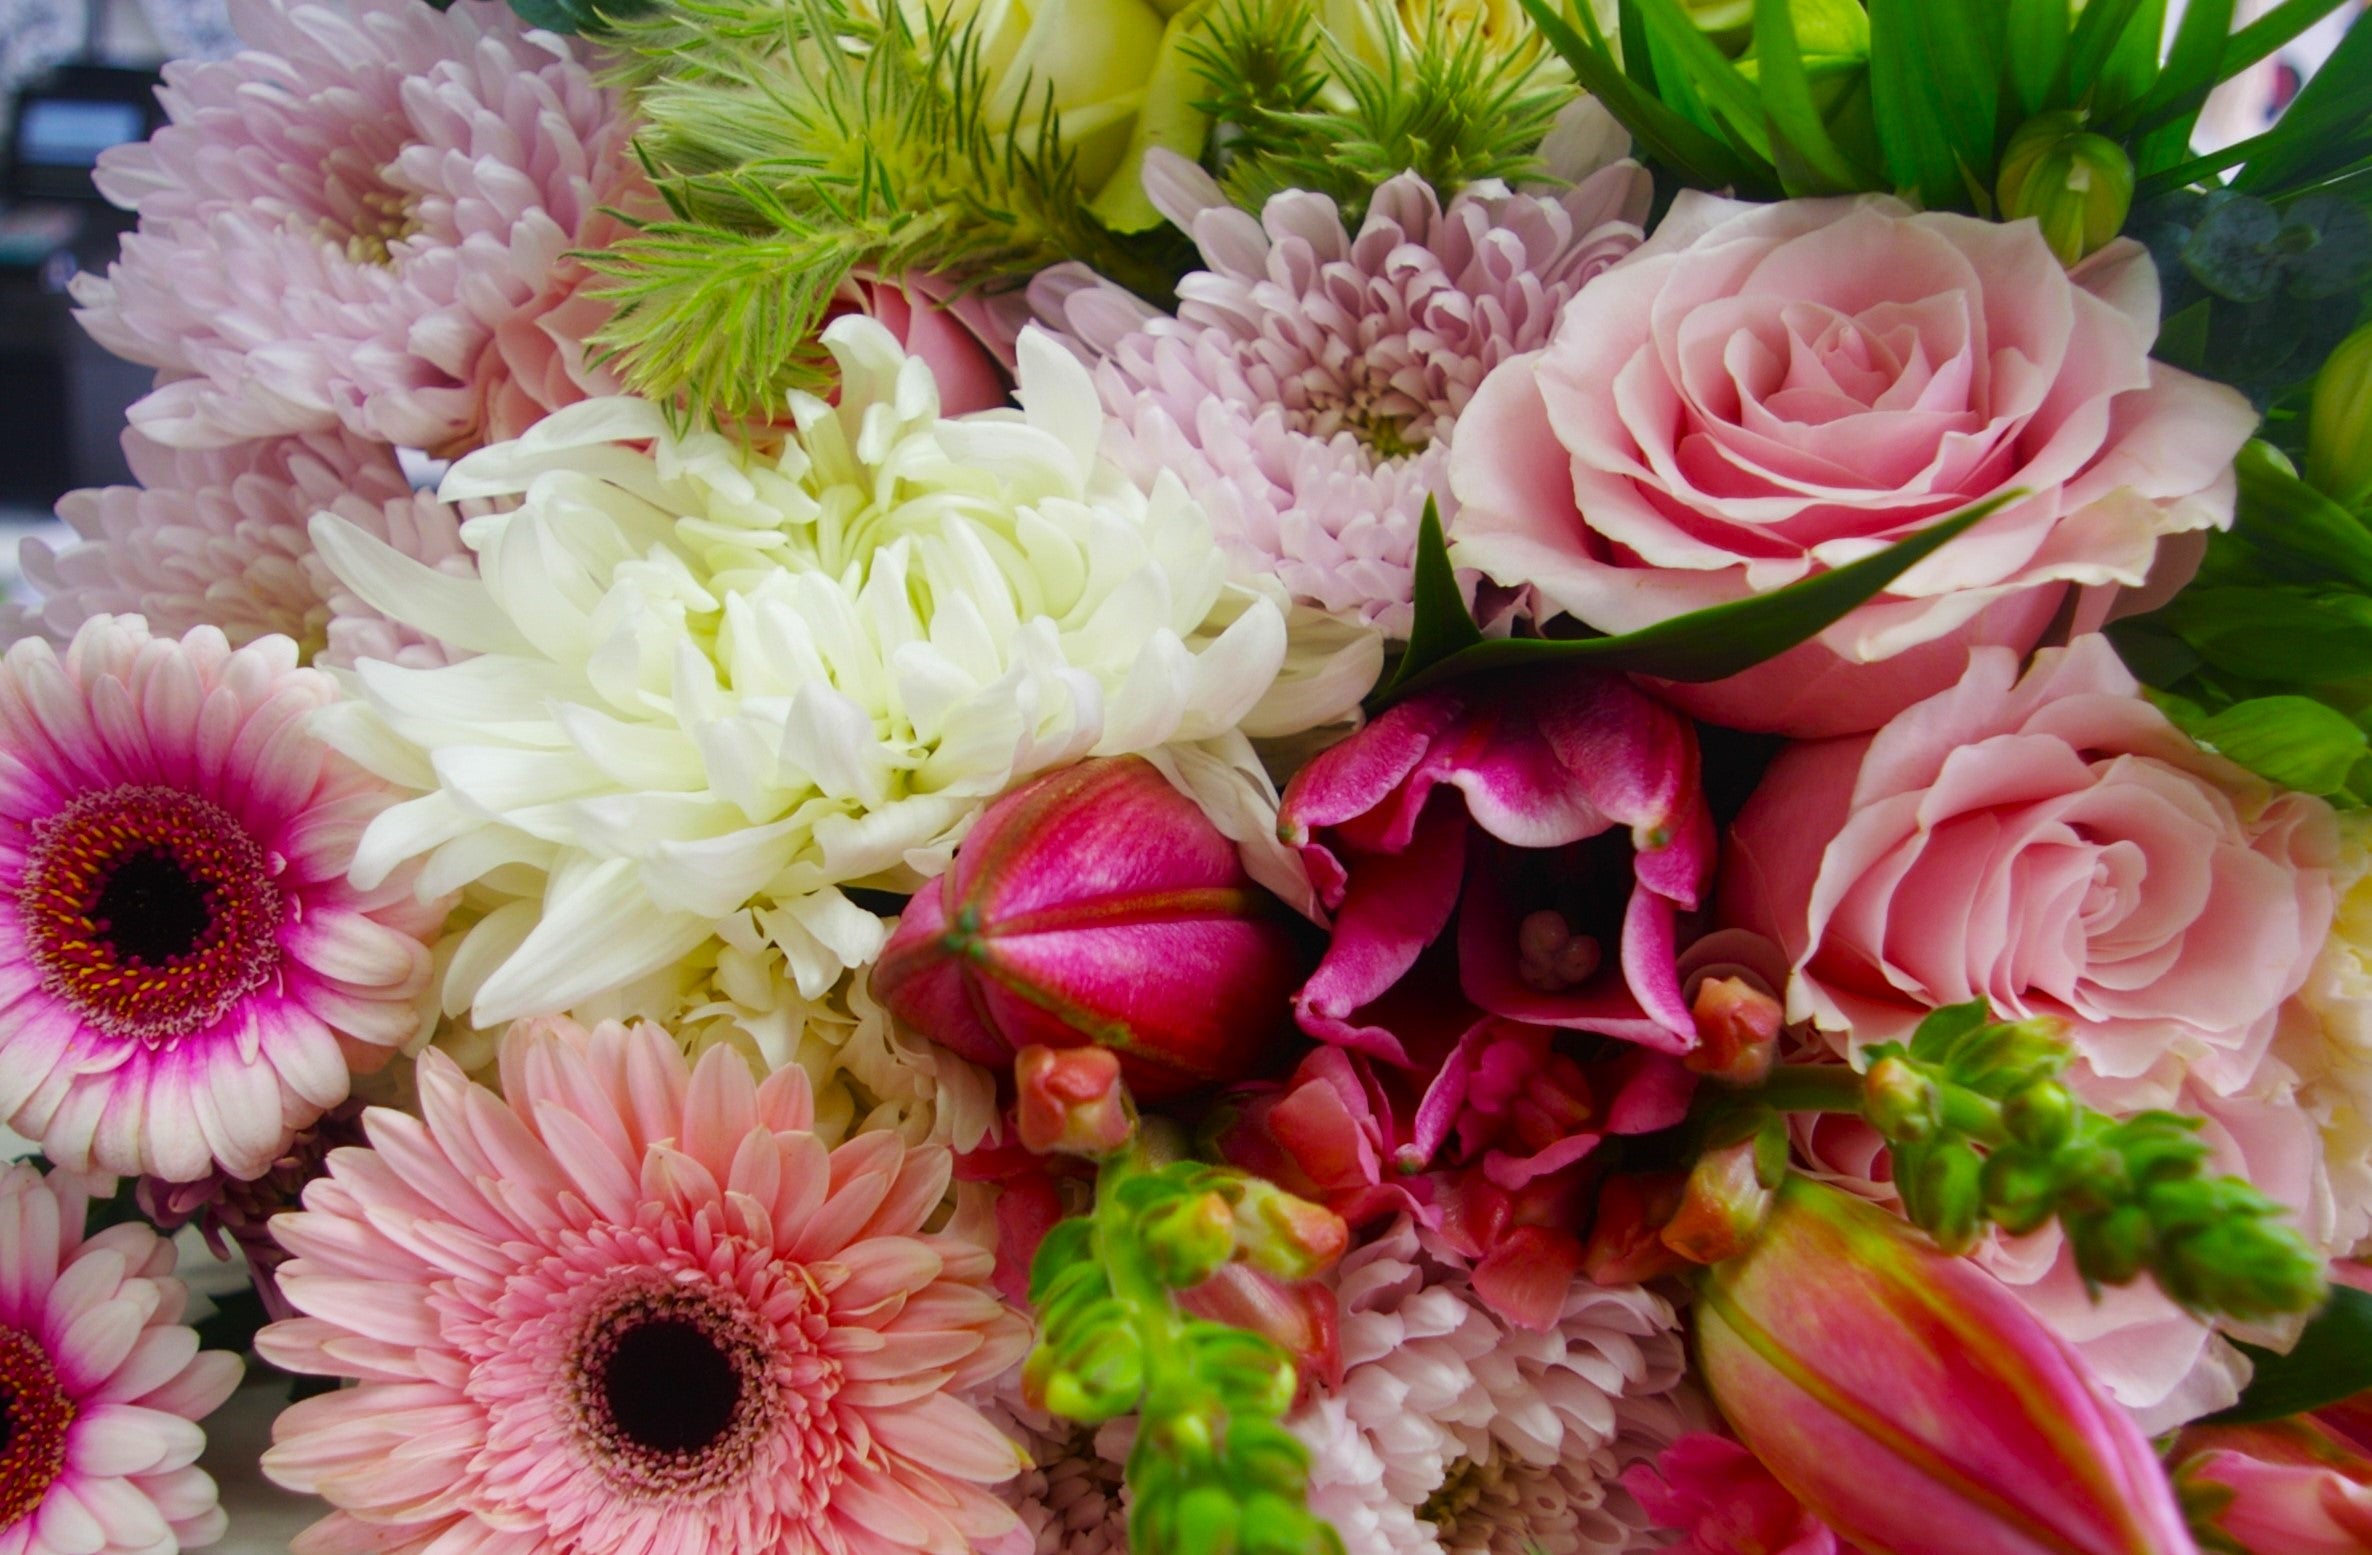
[1810, 1088]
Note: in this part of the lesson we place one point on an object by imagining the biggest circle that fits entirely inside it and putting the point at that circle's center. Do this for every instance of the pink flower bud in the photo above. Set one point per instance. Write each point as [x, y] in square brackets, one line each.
[1287, 1235]
[1626, 1244]
[1071, 1102]
[1912, 1404]
[2287, 1487]
[1722, 1206]
[1737, 1031]
[1099, 905]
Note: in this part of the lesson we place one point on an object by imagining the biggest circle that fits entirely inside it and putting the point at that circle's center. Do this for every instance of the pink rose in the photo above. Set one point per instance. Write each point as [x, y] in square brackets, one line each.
[1763, 392]
[2050, 844]
[966, 338]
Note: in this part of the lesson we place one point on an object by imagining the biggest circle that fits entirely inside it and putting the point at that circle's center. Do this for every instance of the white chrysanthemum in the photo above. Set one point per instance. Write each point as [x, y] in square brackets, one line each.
[718, 677]
[1454, 1433]
[217, 537]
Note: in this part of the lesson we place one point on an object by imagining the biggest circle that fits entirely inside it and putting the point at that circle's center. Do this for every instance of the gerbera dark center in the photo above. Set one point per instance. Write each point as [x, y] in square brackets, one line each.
[34, 1415]
[149, 910]
[669, 1387]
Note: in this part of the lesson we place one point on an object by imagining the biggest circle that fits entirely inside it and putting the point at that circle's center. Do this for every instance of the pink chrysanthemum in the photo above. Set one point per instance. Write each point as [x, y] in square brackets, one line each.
[218, 537]
[1456, 1433]
[363, 219]
[1308, 389]
[101, 1388]
[186, 976]
[631, 1306]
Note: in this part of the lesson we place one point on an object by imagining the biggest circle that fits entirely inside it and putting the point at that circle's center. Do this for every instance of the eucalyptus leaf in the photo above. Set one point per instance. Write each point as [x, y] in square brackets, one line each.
[2332, 1360]
[1718, 641]
[2232, 251]
[2327, 247]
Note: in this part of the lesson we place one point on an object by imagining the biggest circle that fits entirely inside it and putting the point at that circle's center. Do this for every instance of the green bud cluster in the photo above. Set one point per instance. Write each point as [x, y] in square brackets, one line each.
[1213, 1471]
[1984, 1132]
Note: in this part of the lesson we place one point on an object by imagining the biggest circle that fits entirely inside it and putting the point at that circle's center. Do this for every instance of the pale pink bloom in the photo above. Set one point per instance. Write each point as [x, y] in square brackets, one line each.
[218, 537]
[187, 977]
[1454, 1432]
[101, 1387]
[1073, 1499]
[2051, 844]
[363, 220]
[967, 339]
[630, 1305]
[1762, 392]
[234, 1215]
[1309, 387]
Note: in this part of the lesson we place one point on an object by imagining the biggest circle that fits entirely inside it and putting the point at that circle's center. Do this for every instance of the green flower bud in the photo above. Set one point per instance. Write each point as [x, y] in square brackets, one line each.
[2339, 425]
[1189, 1238]
[1949, 1194]
[2078, 185]
[2042, 1114]
[1901, 1102]
[2021, 1189]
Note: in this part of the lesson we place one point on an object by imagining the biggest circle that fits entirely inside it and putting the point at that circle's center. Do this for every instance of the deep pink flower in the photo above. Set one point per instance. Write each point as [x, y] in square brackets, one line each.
[101, 1387]
[1553, 815]
[1725, 1502]
[630, 1306]
[189, 975]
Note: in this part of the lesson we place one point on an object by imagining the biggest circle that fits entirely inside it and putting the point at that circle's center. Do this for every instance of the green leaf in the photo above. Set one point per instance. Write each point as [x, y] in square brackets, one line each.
[1720, 640]
[2232, 251]
[2281, 514]
[1809, 159]
[2331, 1361]
[1700, 159]
[2132, 65]
[1912, 134]
[1443, 627]
[2098, 31]
[2193, 66]
[2037, 48]
[2288, 636]
[1719, 86]
[2269, 32]
[2329, 114]
[2295, 741]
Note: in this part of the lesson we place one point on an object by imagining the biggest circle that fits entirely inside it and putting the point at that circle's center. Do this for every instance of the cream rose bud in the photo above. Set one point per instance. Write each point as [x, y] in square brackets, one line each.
[1762, 392]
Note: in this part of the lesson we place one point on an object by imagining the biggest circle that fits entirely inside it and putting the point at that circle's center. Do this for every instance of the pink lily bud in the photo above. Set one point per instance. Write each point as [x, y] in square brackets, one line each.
[1737, 1031]
[1071, 1102]
[1099, 905]
[2286, 1487]
[1912, 1404]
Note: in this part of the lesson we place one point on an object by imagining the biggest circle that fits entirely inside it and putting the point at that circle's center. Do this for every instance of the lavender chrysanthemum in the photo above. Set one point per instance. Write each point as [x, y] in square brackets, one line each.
[364, 219]
[1308, 389]
[217, 537]
[1454, 1433]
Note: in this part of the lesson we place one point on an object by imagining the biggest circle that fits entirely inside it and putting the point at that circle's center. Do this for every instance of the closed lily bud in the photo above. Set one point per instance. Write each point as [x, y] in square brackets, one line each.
[1099, 905]
[1071, 1102]
[1911, 1403]
[2339, 424]
[2078, 185]
[2285, 1487]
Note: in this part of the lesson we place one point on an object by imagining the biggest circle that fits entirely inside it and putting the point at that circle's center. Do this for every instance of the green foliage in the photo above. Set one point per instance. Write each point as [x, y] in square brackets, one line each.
[1708, 644]
[1304, 112]
[1213, 1470]
[2267, 657]
[2256, 294]
[1984, 1131]
[798, 142]
[2332, 1360]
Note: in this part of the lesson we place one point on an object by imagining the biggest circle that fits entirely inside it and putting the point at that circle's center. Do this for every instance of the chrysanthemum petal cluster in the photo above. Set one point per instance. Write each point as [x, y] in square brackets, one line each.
[189, 974]
[716, 676]
[636, 1306]
[1309, 386]
[217, 537]
[101, 1386]
[363, 220]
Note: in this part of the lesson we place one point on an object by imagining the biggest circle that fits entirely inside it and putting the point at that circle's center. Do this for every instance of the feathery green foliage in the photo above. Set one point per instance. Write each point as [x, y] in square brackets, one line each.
[798, 142]
[1305, 112]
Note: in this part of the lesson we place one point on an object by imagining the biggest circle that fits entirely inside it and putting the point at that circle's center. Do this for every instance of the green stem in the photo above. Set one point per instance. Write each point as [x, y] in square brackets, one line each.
[1171, 1387]
[1977, 1116]
[1809, 1088]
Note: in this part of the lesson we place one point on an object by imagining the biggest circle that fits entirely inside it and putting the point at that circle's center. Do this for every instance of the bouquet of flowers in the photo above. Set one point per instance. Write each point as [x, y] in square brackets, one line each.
[1226, 777]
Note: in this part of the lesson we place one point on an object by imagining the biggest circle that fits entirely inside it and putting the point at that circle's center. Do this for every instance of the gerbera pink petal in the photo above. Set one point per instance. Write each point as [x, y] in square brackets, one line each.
[569, 1333]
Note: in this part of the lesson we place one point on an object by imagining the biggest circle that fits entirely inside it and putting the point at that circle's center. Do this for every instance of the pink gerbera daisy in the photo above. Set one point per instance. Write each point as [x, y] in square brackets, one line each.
[366, 218]
[101, 1387]
[630, 1306]
[186, 977]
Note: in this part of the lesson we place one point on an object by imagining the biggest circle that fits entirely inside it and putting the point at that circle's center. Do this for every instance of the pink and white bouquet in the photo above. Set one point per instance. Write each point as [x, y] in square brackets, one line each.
[1246, 777]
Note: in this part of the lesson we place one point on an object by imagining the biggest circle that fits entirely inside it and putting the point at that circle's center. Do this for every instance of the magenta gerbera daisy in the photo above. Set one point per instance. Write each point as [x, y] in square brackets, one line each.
[629, 1306]
[101, 1387]
[186, 976]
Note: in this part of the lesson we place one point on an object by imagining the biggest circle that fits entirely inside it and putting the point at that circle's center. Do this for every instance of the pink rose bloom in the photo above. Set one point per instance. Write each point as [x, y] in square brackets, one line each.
[966, 339]
[1721, 1498]
[2050, 844]
[1762, 392]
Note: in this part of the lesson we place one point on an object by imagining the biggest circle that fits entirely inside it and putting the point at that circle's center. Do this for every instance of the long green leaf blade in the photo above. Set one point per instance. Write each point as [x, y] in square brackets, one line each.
[1699, 158]
[2037, 49]
[1442, 627]
[1911, 135]
[2193, 66]
[2097, 33]
[2269, 32]
[1719, 84]
[1721, 640]
[1795, 118]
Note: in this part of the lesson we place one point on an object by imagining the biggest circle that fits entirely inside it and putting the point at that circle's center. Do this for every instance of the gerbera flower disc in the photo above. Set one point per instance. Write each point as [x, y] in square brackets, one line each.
[186, 976]
[632, 1306]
